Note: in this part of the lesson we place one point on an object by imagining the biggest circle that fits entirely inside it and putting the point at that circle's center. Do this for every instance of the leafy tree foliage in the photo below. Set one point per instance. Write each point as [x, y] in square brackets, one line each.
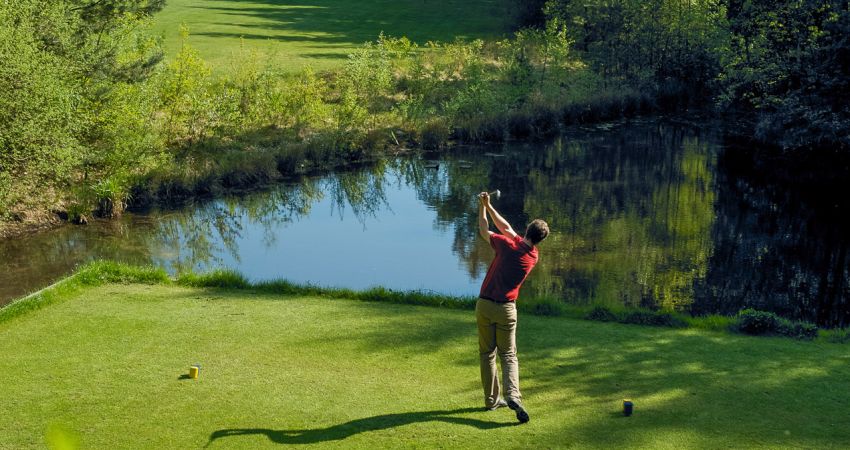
[782, 63]
[670, 47]
[86, 108]
[790, 63]
[71, 109]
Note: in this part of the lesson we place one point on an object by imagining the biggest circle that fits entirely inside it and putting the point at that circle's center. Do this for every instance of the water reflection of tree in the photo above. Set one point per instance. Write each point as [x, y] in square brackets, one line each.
[631, 212]
[35, 261]
[637, 214]
[640, 218]
[189, 240]
[778, 248]
[198, 238]
[363, 191]
[450, 190]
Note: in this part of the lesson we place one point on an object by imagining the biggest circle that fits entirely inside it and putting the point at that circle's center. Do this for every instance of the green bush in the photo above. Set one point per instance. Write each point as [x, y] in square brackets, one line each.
[755, 322]
[636, 317]
[799, 330]
[838, 335]
[433, 134]
[657, 319]
[751, 321]
[542, 307]
[74, 106]
[601, 314]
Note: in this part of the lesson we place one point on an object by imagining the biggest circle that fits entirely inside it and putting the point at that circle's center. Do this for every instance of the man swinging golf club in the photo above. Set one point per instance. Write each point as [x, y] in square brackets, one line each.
[495, 310]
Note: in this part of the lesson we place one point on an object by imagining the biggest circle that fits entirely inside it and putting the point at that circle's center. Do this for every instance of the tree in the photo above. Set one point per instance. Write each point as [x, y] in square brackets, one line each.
[71, 95]
[789, 65]
[670, 47]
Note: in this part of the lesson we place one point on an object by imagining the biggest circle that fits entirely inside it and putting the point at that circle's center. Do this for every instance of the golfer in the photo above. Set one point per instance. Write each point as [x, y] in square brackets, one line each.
[495, 310]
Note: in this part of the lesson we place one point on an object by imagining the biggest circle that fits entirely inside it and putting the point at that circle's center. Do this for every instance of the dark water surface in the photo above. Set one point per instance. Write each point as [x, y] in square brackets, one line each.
[643, 214]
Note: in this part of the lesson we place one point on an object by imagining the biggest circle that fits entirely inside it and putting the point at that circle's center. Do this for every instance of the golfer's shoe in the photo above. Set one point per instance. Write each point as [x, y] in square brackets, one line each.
[499, 404]
[521, 413]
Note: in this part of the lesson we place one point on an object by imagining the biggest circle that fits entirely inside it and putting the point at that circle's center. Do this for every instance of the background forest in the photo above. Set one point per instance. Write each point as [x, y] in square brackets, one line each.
[94, 116]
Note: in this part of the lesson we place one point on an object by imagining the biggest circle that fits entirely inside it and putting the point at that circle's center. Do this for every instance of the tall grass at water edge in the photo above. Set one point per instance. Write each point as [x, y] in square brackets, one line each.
[101, 272]
[259, 124]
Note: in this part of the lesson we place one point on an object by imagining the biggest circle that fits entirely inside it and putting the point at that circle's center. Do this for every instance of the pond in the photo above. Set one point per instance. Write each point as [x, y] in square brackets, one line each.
[645, 213]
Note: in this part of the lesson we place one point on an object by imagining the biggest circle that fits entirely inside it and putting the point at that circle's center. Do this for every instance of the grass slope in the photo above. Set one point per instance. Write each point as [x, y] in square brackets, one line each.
[102, 367]
[321, 33]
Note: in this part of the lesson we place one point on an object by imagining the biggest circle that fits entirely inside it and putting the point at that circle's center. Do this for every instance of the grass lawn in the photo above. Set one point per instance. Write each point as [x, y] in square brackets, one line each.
[321, 33]
[103, 367]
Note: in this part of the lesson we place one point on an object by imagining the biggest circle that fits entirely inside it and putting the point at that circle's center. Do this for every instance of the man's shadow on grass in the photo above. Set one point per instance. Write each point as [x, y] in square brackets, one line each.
[347, 429]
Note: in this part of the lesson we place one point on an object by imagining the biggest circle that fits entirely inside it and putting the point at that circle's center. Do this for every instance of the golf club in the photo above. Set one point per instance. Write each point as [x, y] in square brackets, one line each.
[496, 194]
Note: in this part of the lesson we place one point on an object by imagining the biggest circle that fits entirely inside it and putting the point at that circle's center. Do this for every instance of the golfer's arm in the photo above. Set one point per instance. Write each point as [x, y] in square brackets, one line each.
[500, 222]
[483, 225]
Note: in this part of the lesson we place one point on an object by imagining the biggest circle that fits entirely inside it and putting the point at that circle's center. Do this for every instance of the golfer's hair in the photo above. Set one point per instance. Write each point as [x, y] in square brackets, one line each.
[537, 231]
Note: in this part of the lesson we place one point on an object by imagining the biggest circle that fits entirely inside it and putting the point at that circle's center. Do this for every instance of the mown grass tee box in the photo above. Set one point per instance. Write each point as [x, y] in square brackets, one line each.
[105, 365]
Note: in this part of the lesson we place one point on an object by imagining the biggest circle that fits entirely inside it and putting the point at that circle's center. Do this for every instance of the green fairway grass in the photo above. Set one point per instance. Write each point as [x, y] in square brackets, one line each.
[104, 367]
[321, 33]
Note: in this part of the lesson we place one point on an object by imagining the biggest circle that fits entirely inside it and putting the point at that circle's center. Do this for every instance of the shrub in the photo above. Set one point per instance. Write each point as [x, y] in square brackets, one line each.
[751, 321]
[543, 307]
[78, 212]
[601, 314]
[658, 319]
[186, 96]
[368, 73]
[544, 122]
[798, 330]
[519, 125]
[375, 140]
[838, 335]
[433, 134]
[247, 169]
[112, 196]
[754, 322]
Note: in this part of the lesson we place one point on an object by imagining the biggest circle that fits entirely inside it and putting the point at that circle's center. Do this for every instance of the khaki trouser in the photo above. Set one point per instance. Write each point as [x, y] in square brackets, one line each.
[497, 332]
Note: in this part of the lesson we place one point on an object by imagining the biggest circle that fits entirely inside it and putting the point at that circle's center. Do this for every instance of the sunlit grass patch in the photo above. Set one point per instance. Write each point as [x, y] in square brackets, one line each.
[93, 274]
[321, 33]
[106, 366]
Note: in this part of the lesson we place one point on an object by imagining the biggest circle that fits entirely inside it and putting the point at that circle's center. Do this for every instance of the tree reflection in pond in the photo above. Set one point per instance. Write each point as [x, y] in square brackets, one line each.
[199, 239]
[631, 212]
[778, 248]
[641, 215]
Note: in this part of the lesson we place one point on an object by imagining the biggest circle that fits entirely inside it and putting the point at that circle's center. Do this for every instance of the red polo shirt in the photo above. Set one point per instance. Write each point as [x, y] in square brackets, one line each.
[514, 260]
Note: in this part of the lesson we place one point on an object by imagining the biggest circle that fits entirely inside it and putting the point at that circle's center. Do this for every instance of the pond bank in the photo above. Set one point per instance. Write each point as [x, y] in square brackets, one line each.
[199, 133]
[85, 366]
[100, 272]
[254, 160]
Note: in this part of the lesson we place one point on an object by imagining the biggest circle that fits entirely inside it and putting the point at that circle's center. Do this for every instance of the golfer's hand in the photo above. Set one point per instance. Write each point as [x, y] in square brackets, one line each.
[484, 198]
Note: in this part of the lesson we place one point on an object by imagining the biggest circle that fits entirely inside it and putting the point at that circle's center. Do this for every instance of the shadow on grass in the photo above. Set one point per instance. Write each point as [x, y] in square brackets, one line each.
[347, 429]
[708, 388]
[340, 56]
[355, 22]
